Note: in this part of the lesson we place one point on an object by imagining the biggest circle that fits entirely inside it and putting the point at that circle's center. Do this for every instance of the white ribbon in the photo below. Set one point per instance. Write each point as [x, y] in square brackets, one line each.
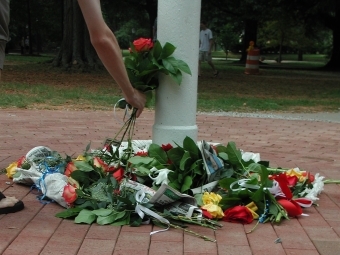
[243, 183]
[142, 210]
[276, 190]
[162, 176]
[126, 111]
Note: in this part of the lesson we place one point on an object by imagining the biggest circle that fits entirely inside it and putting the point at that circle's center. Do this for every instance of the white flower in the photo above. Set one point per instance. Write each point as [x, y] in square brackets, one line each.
[162, 175]
[313, 193]
[246, 156]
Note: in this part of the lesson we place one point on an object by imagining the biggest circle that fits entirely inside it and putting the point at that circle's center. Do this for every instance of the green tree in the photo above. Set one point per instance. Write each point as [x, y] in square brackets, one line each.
[40, 20]
[241, 13]
[315, 13]
[228, 38]
[76, 48]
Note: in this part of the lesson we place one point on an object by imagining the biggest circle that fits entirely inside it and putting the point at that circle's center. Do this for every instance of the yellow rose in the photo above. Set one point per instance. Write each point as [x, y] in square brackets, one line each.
[11, 169]
[253, 208]
[214, 210]
[301, 175]
[80, 158]
[211, 198]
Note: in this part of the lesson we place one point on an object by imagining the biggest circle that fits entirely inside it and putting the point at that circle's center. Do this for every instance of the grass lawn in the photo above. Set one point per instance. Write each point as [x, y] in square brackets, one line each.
[30, 82]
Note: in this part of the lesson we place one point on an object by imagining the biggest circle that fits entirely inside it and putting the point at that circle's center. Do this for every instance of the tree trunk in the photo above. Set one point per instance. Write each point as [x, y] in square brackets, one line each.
[76, 50]
[334, 62]
[29, 23]
[279, 59]
[250, 34]
[300, 55]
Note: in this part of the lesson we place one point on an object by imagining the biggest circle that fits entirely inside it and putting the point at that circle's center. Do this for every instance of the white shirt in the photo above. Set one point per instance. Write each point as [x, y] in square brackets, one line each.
[205, 37]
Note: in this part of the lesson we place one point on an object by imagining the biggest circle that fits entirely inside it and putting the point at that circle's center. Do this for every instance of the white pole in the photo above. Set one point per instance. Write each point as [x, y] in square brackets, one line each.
[178, 23]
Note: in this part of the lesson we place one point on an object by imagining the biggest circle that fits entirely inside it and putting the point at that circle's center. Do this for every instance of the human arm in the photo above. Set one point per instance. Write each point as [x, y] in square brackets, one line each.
[108, 50]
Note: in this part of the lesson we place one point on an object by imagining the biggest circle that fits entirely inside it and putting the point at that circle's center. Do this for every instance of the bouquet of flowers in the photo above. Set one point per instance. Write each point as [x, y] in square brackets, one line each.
[172, 187]
[147, 60]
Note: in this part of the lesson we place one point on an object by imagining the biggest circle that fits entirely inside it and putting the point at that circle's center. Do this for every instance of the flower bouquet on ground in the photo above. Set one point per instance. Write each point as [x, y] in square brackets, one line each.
[197, 183]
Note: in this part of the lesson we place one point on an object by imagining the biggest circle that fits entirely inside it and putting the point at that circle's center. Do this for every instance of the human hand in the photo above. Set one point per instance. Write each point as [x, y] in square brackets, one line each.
[137, 100]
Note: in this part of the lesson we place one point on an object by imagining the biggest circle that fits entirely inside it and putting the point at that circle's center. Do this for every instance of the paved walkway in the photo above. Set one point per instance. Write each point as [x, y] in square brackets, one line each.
[310, 145]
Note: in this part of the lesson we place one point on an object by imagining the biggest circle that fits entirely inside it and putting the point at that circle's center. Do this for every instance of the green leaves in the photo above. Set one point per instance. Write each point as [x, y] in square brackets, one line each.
[83, 166]
[187, 182]
[143, 67]
[100, 216]
[158, 153]
[185, 162]
[85, 216]
[156, 50]
[68, 213]
[167, 50]
[234, 155]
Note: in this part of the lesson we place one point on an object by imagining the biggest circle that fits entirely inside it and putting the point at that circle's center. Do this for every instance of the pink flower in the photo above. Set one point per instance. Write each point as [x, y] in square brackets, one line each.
[119, 174]
[21, 161]
[98, 162]
[69, 194]
[143, 44]
[70, 168]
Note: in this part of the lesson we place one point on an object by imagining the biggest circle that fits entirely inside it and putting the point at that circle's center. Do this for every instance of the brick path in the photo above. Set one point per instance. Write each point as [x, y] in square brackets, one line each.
[312, 146]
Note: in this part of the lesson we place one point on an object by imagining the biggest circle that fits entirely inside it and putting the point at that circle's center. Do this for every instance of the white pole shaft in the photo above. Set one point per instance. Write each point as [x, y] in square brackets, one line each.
[178, 23]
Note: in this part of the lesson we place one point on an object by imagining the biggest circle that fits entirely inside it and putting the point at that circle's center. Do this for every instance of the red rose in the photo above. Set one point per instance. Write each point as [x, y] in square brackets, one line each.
[108, 148]
[119, 174]
[166, 147]
[100, 163]
[238, 214]
[142, 154]
[111, 169]
[292, 180]
[311, 177]
[206, 214]
[70, 168]
[69, 194]
[21, 161]
[143, 44]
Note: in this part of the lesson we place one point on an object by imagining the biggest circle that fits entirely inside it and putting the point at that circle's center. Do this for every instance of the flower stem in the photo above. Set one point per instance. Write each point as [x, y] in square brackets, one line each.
[191, 221]
[193, 233]
[331, 181]
[190, 232]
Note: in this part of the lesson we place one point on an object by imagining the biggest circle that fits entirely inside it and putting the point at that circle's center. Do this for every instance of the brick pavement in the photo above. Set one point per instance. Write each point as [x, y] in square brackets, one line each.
[312, 146]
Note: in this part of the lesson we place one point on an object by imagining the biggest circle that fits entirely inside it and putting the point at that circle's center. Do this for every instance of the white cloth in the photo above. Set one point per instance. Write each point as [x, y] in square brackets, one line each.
[205, 37]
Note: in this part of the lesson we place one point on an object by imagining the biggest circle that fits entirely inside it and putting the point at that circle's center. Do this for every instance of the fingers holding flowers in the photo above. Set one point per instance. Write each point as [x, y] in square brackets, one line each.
[137, 100]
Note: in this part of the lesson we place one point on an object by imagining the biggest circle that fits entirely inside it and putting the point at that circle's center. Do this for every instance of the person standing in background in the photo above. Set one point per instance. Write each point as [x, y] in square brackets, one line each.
[4, 33]
[205, 46]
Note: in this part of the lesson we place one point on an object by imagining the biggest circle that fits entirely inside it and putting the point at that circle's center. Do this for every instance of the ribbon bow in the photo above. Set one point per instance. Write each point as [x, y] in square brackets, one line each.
[142, 210]
[46, 170]
[284, 196]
